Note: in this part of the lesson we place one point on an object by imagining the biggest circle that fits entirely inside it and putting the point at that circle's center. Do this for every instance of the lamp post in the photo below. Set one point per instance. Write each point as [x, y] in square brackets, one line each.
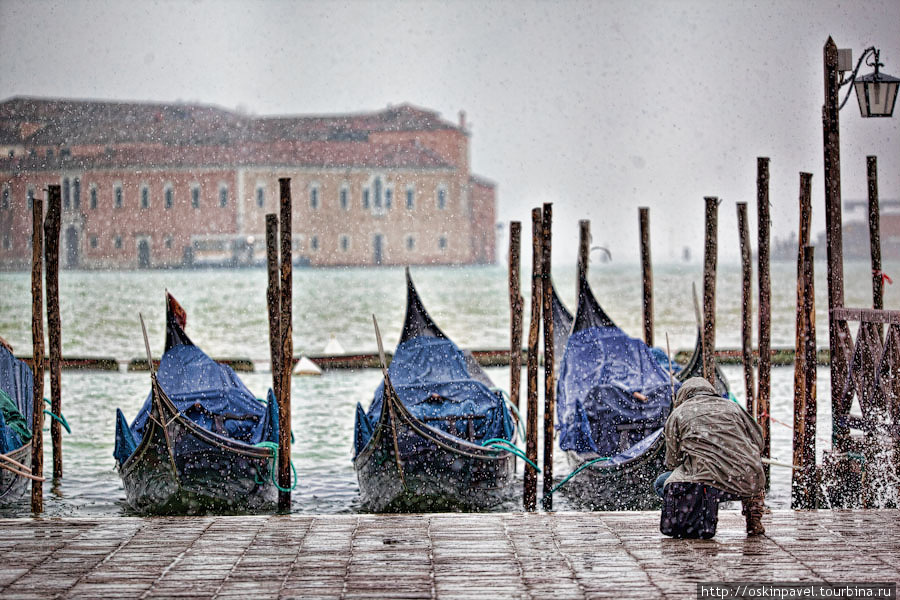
[876, 94]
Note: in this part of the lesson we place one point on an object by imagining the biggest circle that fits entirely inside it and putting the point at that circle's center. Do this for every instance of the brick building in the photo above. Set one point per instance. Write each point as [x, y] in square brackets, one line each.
[158, 185]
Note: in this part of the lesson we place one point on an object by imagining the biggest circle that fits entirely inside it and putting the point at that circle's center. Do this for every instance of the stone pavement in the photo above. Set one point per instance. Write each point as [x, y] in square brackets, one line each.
[484, 556]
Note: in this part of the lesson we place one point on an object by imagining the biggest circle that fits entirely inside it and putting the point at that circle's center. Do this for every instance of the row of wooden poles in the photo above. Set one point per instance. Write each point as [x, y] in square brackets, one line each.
[757, 382]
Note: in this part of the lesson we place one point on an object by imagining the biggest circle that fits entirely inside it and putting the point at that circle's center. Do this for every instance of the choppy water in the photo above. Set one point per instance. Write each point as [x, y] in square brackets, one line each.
[227, 318]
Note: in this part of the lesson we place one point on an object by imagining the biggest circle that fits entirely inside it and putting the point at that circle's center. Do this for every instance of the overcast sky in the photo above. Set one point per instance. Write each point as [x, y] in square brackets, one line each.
[598, 107]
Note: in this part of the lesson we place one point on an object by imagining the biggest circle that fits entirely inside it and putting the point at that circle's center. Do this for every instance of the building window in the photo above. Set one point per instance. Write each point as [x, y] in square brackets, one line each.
[117, 242]
[442, 198]
[4, 199]
[410, 198]
[168, 241]
[388, 197]
[29, 198]
[223, 196]
[314, 243]
[117, 196]
[76, 193]
[66, 194]
[365, 198]
[145, 196]
[93, 197]
[314, 197]
[195, 196]
[410, 242]
[442, 243]
[49, 152]
[94, 241]
[260, 196]
[7, 242]
[377, 198]
[345, 243]
[169, 195]
[345, 197]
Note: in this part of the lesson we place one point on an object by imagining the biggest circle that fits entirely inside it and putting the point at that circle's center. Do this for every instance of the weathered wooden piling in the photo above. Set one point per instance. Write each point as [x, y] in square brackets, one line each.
[287, 348]
[37, 343]
[549, 379]
[584, 253]
[802, 289]
[516, 303]
[764, 372]
[709, 289]
[746, 309]
[804, 481]
[51, 259]
[273, 301]
[646, 274]
[875, 236]
[529, 495]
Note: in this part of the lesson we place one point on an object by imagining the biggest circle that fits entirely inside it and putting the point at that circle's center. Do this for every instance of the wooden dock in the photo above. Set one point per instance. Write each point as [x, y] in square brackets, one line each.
[511, 555]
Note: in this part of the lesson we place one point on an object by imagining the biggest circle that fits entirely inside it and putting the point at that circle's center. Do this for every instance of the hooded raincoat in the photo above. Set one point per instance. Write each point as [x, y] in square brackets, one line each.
[712, 440]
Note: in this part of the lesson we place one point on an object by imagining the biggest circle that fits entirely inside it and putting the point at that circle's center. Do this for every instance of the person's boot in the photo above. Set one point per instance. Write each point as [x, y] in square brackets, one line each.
[752, 509]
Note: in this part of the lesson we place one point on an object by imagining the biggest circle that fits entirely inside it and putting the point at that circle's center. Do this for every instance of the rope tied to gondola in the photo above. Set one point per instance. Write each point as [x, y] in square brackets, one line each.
[274, 448]
[576, 472]
[59, 418]
[507, 446]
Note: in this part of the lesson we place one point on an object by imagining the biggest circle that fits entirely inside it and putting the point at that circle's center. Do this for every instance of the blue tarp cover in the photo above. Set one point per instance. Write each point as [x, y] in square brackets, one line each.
[430, 377]
[17, 381]
[600, 370]
[200, 388]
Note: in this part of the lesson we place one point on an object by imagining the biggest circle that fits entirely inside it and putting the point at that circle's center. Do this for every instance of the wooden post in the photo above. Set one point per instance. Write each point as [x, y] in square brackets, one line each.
[37, 342]
[529, 495]
[647, 273]
[516, 303]
[549, 379]
[709, 289]
[875, 237]
[746, 309]
[51, 254]
[273, 301]
[287, 348]
[584, 253]
[804, 488]
[840, 434]
[764, 372]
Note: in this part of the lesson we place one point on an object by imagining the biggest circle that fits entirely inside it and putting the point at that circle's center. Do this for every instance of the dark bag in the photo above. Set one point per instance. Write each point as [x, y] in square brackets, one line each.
[690, 510]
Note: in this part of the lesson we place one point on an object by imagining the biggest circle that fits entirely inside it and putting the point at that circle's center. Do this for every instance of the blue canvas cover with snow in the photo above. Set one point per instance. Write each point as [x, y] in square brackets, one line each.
[430, 377]
[601, 370]
[208, 393]
[17, 382]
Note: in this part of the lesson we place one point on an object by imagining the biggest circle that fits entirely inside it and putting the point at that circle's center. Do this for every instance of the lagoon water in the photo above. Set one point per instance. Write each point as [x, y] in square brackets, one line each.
[227, 318]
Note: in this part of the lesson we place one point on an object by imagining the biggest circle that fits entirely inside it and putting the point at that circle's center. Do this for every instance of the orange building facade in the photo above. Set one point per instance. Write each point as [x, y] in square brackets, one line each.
[161, 185]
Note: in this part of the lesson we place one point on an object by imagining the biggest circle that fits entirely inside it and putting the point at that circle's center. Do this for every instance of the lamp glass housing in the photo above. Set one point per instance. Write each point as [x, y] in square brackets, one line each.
[876, 94]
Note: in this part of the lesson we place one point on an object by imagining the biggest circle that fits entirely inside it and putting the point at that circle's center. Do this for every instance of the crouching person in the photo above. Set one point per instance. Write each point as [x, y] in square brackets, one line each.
[713, 448]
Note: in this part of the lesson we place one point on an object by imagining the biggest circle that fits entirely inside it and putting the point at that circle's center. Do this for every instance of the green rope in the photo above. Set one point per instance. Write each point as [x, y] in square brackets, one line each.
[507, 446]
[60, 418]
[274, 448]
[514, 408]
[576, 472]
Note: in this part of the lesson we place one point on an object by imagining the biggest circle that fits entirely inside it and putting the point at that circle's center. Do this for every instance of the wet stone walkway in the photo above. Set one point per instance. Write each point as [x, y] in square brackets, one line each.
[512, 555]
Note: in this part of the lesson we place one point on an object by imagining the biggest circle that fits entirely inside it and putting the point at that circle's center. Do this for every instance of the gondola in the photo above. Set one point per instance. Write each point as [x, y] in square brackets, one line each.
[613, 398]
[198, 444]
[16, 408]
[421, 446]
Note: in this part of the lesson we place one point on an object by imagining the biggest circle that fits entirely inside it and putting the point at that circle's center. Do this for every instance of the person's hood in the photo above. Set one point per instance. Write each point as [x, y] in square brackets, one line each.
[693, 388]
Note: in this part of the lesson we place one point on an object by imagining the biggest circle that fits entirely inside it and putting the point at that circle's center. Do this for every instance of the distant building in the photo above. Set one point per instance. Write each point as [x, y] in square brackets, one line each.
[160, 185]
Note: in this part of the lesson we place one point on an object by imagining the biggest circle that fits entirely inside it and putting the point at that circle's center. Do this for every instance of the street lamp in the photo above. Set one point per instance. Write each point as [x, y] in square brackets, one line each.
[875, 92]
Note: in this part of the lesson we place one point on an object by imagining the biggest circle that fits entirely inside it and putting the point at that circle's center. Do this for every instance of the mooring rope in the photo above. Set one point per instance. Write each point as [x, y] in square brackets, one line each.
[576, 472]
[507, 446]
[60, 418]
[274, 448]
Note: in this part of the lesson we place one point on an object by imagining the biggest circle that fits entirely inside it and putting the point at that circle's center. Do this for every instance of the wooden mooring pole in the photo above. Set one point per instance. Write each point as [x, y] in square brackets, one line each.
[646, 274]
[549, 379]
[37, 343]
[875, 237]
[51, 255]
[516, 303]
[764, 372]
[799, 364]
[709, 289]
[529, 495]
[746, 309]
[804, 482]
[287, 348]
[273, 301]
